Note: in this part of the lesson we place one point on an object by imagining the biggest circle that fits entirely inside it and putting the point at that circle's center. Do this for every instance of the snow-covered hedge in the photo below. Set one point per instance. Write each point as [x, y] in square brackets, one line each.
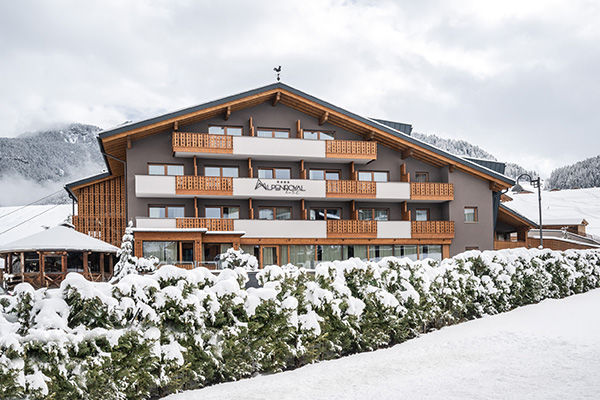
[150, 335]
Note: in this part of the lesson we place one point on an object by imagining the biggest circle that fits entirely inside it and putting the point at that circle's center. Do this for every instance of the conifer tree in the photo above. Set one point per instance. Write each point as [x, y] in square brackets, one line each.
[127, 261]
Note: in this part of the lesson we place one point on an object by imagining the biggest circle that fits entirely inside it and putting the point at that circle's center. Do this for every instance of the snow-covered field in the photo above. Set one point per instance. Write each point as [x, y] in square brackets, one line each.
[549, 350]
[29, 220]
[561, 205]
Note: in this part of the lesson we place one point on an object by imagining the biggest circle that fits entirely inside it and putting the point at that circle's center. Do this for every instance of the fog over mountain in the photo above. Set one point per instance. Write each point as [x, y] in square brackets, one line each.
[37, 164]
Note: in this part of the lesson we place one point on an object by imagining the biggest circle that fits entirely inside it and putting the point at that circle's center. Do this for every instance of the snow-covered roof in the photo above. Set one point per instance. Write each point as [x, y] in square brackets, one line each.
[18, 222]
[61, 237]
[564, 221]
[561, 205]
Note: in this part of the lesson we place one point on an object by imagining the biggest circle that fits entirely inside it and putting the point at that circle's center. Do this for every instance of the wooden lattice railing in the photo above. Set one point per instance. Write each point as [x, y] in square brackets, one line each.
[204, 142]
[432, 229]
[203, 185]
[351, 228]
[431, 191]
[353, 188]
[212, 224]
[351, 149]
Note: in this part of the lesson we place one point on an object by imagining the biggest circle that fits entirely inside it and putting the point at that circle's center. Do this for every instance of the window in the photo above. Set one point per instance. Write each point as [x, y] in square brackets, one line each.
[422, 214]
[375, 176]
[471, 214]
[165, 169]
[166, 211]
[318, 135]
[276, 133]
[231, 172]
[430, 251]
[225, 130]
[321, 174]
[421, 176]
[222, 212]
[275, 213]
[277, 173]
[373, 214]
[325, 213]
[166, 252]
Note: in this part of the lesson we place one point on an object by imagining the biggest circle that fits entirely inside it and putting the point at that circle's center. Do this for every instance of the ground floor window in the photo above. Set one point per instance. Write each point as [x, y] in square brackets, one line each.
[52, 264]
[409, 251]
[303, 255]
[32, 262]
[430, 251]
[75, 261]
[166, 252]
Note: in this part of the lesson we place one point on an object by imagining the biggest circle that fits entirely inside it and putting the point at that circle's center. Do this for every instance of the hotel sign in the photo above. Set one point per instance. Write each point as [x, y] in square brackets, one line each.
[279, 186]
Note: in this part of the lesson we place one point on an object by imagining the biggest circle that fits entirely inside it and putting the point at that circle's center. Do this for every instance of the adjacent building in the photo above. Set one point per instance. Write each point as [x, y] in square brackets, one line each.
[289, 178]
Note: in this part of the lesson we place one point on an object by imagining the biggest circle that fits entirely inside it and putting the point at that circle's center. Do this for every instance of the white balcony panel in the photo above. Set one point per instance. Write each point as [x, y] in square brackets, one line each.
[278, 149]
[393, 191]
[256, 228]
[276, 189]
[154, 186]
[155, 223]
[393, 229]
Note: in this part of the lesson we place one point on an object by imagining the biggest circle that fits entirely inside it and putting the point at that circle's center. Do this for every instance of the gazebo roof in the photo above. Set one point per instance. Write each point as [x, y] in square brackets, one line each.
[62, 237]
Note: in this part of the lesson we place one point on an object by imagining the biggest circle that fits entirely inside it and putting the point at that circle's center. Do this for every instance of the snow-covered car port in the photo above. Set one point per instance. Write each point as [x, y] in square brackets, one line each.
[44, 258]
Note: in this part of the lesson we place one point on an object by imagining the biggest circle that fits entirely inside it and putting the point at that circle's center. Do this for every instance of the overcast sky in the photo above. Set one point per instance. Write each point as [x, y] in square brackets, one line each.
[518, 78]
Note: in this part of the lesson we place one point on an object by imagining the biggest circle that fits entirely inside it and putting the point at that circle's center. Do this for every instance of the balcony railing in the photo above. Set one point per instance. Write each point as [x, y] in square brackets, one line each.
[362, 189]
[209, 185]
[431, 191]
[202, 142]
[351, 228]
[351, 149]
[432, 229]
[212, 224]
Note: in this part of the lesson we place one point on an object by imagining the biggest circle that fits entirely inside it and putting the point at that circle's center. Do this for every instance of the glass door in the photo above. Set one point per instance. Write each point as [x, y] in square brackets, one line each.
[270, 255]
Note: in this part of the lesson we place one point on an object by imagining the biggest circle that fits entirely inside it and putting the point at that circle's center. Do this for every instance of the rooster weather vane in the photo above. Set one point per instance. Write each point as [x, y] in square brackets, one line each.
[278, 70]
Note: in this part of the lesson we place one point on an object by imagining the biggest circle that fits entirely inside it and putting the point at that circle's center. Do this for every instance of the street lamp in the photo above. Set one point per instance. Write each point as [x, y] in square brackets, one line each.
[536, 183]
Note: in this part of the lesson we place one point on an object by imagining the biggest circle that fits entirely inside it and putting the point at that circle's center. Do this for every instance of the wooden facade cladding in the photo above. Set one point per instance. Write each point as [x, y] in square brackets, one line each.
[351, 228]
[432, 229]
[431, 191]
[202, 142]
[359, 189]
[351, 149]
[500, 244]
[204, 185]
[101, 210]
[212, 224]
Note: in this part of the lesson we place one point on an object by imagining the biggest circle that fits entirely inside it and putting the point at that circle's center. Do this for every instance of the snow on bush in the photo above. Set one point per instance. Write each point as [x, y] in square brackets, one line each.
[150, 335]
[128, 263]
[238, 259]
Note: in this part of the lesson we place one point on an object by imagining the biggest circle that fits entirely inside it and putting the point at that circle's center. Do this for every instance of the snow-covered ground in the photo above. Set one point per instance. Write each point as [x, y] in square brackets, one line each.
[549, 350]
[561, 205]
[17, 222]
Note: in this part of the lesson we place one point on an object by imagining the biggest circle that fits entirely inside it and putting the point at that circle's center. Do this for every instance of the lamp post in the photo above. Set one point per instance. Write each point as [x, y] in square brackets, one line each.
[536, 183]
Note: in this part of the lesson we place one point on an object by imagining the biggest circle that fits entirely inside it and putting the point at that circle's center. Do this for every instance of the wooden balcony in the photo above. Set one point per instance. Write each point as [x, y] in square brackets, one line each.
[358, 189]
[432, 229]
[203, 185]
[431, 191]
[218, 224]
[351, 149]
[202, 143]
[351, 229]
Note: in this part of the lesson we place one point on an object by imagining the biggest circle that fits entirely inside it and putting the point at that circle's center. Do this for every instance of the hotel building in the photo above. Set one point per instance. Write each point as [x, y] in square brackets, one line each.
[289, 178]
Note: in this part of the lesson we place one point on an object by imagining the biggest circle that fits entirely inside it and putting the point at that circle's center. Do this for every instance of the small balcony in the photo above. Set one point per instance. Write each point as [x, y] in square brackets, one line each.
[190, 144]
[432, 229]
[203, 185]
[431, 191]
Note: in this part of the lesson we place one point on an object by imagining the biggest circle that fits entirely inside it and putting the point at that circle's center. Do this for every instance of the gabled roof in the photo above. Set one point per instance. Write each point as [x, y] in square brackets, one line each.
[114, 141]
[516, 216]
[61, 237]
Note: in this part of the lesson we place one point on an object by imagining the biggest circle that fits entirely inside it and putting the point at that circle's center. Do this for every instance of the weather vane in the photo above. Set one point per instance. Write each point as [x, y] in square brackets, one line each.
[278, 70]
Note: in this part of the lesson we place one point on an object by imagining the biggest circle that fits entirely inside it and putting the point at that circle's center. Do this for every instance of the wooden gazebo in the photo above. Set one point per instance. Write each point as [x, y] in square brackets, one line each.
[44, 258]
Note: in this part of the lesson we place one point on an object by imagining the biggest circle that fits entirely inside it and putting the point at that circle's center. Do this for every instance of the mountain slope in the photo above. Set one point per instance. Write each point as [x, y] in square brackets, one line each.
[35, 164]
[582, 174]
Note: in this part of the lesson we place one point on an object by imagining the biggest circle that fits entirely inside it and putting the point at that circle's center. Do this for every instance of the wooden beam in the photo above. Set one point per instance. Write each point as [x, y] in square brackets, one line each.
[276, 99]
[251, 126]
[407, 153]
[195, 167]
[250, 171]
[250, 208]
[128, 142]
[324, 118]
[370, 135]
[195, 207]
[492, 185]
[451, 168]
[227, 113]
[353, 174]
[176, 126]
[299, 130]
[302, 170]
[303, 209]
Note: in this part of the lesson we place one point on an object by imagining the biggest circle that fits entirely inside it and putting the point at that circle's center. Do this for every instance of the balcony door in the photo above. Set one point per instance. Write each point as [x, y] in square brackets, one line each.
[270, 255]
